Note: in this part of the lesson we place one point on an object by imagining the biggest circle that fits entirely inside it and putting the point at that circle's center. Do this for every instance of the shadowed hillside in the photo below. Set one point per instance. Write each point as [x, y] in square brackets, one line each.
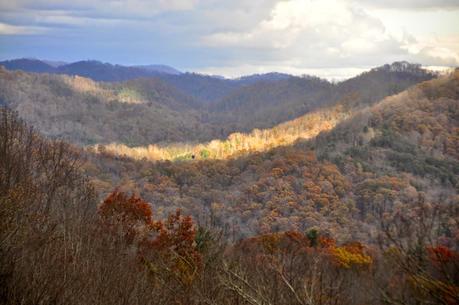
[265, 104]
[85, 112]
[169, 108]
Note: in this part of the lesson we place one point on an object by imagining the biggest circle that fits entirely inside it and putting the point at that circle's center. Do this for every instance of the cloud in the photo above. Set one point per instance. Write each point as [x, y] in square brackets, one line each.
[438, 51]
[327, 33]
[207, 35]
[106, 7]
[8, 29]
[411, 4]
[306, 30]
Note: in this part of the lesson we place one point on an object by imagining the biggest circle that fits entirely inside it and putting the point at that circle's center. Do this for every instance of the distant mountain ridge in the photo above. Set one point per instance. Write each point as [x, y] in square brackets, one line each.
[55, 63]
[28, 65]
[271, 76]
[206, 88]
[159, 68]
[96, 70]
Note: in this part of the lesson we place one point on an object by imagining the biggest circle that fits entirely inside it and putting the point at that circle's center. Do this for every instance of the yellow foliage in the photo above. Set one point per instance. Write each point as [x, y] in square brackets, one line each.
[348, 257]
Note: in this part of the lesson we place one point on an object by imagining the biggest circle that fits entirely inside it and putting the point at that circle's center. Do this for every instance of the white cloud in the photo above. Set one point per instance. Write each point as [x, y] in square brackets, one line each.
[412, 4]
[287, 20]
[329, 33]
[109, 7]
[303, 30]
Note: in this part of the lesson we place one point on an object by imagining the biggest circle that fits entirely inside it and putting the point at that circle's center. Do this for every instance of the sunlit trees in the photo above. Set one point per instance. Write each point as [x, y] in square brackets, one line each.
[237, 144]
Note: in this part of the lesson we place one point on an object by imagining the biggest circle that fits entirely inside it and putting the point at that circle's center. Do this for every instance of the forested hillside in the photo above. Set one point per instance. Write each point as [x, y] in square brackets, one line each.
[237, 144]
[396, 153]
[203, 152]
[366, 212]
[186, 108]
[265, 104]
[86, 112]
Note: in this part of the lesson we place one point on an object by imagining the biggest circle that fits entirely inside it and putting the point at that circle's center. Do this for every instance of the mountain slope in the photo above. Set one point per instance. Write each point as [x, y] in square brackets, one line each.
[204, 88]
[85, 112]
[271, 76]
[387, 159]
[372, 86]
[53, 227]
[173, 108]
[237, 144]
[265, 104]
[99, 71]
[280, 101]
[414, 132]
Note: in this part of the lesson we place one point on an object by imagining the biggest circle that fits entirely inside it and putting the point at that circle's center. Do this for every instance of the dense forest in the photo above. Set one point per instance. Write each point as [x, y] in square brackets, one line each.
[176, 108]
[349, 198]
[396, 151]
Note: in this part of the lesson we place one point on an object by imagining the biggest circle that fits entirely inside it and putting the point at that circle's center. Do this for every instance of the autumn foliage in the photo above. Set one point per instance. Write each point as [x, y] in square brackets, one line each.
[364, 214]
[128, 216]
[163, 246]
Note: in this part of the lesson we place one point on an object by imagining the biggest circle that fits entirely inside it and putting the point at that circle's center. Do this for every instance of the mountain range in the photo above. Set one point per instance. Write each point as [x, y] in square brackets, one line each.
[93, 69]
[332, 169]
[178, 188]
[183, 107]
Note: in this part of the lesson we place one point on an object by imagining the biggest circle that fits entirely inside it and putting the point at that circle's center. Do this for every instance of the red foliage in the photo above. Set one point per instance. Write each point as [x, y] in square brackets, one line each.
[177, 238]
[442, 254]
[125, 216]
[171, 241]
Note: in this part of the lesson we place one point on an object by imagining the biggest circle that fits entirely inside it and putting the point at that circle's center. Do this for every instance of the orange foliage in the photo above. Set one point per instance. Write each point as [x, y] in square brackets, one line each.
[175, 243]
[171, 241]
[126, 216]
[326, 242]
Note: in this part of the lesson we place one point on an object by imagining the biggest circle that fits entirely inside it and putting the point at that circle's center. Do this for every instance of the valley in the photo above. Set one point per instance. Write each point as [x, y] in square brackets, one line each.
[268, 189]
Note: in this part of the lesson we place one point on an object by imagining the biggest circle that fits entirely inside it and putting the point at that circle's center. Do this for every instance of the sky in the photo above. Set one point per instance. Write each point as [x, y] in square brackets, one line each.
[334, 39]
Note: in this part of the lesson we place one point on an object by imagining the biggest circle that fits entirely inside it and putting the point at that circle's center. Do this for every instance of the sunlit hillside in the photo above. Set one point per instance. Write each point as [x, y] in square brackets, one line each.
[393, 153]
[237, 144]
[302, 128]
